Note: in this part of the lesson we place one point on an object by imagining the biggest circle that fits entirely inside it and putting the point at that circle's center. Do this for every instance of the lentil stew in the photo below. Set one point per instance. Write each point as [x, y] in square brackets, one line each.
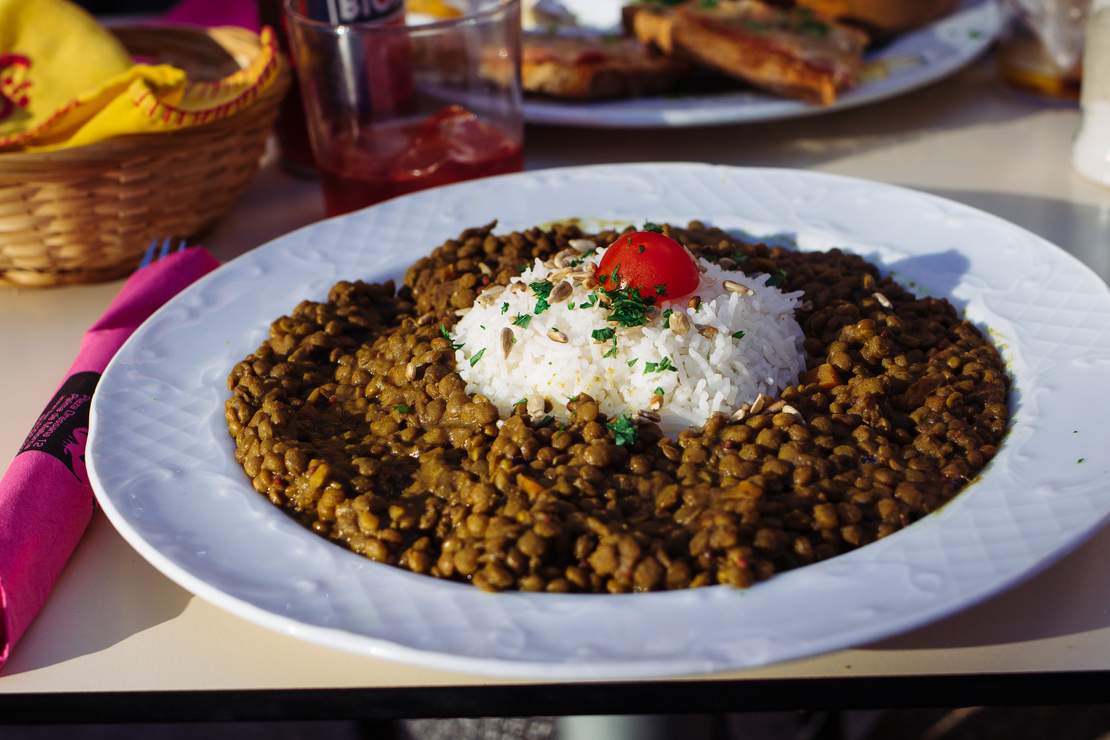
[352, 418]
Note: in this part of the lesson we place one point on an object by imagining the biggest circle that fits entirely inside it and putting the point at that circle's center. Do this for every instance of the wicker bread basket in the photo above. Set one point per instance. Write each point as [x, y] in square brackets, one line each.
[86, 214]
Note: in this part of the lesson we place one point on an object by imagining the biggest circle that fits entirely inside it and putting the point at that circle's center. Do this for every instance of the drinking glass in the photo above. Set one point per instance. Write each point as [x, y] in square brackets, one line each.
[400, 106]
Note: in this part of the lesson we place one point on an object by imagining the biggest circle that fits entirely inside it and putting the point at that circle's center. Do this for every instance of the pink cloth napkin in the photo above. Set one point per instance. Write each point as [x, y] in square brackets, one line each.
[45, 498]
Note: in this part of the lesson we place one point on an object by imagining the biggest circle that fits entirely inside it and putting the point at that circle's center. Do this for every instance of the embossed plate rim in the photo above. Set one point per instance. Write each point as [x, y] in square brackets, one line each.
[456, 627]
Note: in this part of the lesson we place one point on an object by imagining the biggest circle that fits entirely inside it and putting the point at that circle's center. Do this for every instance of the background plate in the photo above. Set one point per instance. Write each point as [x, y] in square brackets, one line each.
[913, 60]
[161, 462]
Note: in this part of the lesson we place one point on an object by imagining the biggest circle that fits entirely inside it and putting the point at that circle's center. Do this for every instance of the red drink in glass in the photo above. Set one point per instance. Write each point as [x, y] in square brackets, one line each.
[404, 156]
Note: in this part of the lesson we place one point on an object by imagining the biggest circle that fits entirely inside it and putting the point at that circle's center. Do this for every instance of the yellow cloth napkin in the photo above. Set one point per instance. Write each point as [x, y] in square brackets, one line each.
[65, 82]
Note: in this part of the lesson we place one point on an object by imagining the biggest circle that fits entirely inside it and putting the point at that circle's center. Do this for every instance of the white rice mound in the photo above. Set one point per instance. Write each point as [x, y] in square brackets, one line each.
[711, 373]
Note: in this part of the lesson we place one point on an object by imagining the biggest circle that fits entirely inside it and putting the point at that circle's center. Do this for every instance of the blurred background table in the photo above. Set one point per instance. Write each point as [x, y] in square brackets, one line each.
[115, 626]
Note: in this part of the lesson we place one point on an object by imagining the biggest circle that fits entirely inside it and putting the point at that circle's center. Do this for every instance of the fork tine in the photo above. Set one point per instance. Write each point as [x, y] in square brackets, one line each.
[165, 250]
[148, 256]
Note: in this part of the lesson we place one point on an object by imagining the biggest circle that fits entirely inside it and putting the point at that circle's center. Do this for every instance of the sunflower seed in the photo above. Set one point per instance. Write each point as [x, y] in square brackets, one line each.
[557, 336]
[708, 331]
[788, 409]
[883, 300]
[484, 268]
[678, 323]
[410, 371]
[726, 264]
[694, 303]
[507, 341]
[656, 402]
[535, 405]
[563, 259]
[734, 287]
[518, 288]
[776, 407]
[741, 413]
[425, 319]
[758, 404]
[581, 245]
[560, 293]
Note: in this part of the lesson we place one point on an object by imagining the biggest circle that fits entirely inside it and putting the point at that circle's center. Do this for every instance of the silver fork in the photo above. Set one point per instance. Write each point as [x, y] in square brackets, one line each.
[160, 249]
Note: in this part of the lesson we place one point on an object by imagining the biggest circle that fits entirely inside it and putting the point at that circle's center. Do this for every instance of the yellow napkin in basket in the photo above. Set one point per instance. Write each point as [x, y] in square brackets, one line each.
[65, 82]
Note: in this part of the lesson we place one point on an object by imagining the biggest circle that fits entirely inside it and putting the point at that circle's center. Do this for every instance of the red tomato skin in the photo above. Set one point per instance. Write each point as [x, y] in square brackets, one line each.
[646, 260]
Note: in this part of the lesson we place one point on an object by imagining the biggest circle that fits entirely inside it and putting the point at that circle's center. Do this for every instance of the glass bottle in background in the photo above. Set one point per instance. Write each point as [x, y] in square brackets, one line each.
[1091, 153]
[291, 130]
[1044, 47]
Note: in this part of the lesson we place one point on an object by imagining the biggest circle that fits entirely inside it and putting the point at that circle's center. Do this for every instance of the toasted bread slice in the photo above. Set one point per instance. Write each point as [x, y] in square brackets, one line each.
[882, 17]
[788, 51]
[590, 68]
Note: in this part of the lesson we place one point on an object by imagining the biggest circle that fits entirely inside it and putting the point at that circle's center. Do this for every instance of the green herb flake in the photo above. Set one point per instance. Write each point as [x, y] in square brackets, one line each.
[778, 279]
[658, 367]
[667, 315]
[660, 289]
[975, 34]
[737, 335]
[603, 335]
[591, 301]
[521, 401]
[612, 350]
[649, 226]
[1081, 460]
[708, 4]
[522, 320]
[402, 408]
[658, 392]
[504, 308]
[541, 289]
[477, 356]
[632, 361]
[642, 249]
[547, 420]
[447, 335]
[523, 266]
[624, 431]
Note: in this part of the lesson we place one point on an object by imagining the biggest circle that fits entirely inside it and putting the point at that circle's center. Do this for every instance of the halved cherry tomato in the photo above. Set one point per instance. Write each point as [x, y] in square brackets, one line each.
[653, 263]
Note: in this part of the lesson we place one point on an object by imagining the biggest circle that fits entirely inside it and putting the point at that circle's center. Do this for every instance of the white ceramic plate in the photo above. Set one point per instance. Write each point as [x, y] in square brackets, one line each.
[161, 458]
[913, 60]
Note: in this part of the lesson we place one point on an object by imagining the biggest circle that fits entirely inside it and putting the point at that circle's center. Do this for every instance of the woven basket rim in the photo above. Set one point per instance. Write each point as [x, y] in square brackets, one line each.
[113, 149]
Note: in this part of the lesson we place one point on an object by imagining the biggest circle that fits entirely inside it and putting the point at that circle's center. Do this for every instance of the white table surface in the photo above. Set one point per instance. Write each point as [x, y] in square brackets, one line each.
[115, 624]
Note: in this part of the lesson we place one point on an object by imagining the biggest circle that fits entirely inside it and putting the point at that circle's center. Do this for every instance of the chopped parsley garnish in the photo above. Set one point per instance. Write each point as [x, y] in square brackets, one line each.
[660, 289]
[603, 335]
[658, 391]
[778, 279]
[649, 226]
[612, 350]
[1081, 460]
[504, 308]
[570, 305]
[477, 356]
[624, 431]
[737, 335]
[522, 320]
[627, 307]
[447, 335]
[667, 315]
[523, 400]
[708, 4]
[482, 327]
[523, 266]
[403, 408]
[658, 367]
[739, 257]
[541, 289]
[545, 421]
[615, 278]
[591, 301]
[632, 361]
[642, 249]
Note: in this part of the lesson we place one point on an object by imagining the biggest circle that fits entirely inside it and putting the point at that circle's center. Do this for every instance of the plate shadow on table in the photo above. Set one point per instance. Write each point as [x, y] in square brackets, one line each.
[91, 585]
[805, 142]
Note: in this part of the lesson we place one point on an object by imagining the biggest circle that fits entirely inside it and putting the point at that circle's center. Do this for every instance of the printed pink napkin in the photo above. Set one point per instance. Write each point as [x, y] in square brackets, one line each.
[45, 498]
